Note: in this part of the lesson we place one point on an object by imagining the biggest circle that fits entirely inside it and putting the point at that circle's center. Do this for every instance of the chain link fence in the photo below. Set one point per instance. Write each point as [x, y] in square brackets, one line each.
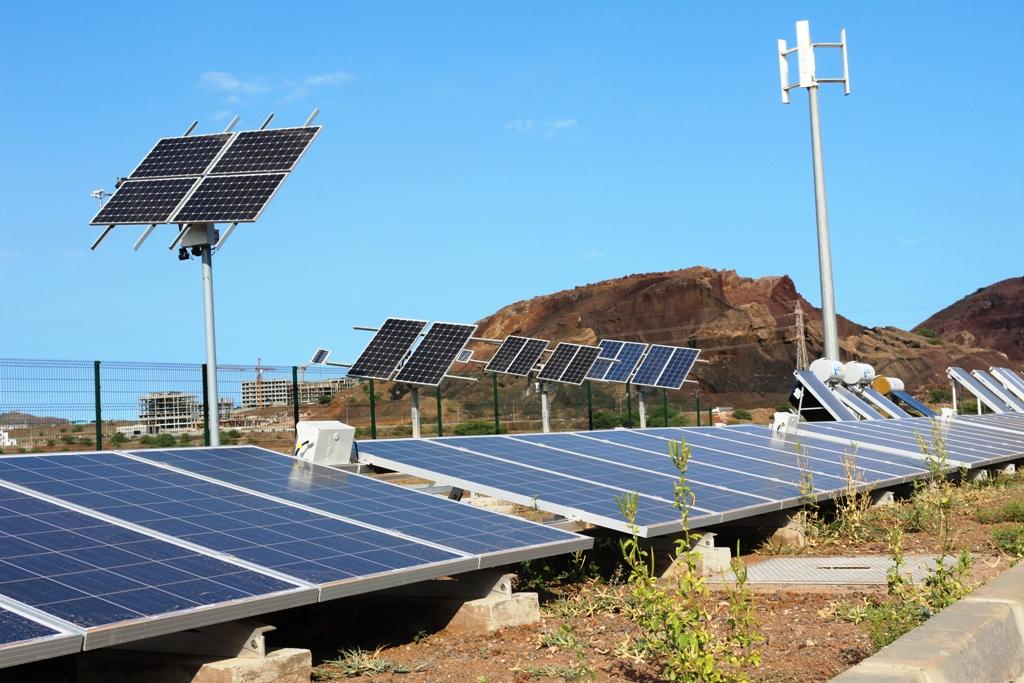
[55, 405]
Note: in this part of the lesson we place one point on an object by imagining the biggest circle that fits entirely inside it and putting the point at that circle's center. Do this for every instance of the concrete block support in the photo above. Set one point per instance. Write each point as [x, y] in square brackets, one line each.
[790, 534]
[117, 666]
[881, 499]
[485, 615]
[288, 665]
[979, 639]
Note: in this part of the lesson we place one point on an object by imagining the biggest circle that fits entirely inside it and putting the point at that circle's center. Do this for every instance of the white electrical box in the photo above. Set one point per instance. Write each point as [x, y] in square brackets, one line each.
[324, 442]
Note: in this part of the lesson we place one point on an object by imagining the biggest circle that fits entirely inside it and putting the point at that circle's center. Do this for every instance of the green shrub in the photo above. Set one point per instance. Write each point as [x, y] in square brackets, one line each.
[185, 440]
[606, 419]
[939, 395]
[165, 440]
[741, 414]
[929, 335]
[474, 427]
[1010, 540]
[325, 400]
[118, 438]
[1010, 511]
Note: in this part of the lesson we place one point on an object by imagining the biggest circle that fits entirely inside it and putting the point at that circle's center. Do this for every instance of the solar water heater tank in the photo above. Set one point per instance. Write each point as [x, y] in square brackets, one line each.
[324, 442]
[828, 371]
[858, 373]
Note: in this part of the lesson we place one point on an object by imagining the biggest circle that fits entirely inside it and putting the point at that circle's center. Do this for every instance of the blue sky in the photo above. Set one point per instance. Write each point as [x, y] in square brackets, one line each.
[475, 154]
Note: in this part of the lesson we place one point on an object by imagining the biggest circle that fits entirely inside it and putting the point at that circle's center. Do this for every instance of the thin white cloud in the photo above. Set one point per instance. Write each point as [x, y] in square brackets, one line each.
[592, 255]
[222, 81]
[548, 128]
[236, 89]
[303, 87]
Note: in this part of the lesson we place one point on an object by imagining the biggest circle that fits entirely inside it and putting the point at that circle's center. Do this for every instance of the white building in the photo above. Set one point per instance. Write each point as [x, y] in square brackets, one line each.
[278, 392]
[6, 440]
[170, 411]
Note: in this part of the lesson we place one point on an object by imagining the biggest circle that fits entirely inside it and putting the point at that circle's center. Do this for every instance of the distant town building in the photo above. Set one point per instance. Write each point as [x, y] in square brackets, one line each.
[6, 440]
[170, 411]
[278, 392]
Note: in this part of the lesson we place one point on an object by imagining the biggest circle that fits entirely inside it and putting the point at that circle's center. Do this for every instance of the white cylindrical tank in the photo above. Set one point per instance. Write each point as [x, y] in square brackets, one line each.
[827, 370]
[858, 373]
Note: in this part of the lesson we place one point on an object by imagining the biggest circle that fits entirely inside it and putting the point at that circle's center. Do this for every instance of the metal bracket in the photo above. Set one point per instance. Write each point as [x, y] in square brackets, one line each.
[244, 638]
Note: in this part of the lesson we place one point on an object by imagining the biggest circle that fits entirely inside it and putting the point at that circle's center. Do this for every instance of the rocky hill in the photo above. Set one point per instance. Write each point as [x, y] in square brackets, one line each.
[992, 317]
[745, 327]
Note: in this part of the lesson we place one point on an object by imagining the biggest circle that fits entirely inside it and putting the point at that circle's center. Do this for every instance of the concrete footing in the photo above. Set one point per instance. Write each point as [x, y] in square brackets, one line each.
[789, 535]
[288, 665]
[711, 561]
[881, 499]
[113, 666]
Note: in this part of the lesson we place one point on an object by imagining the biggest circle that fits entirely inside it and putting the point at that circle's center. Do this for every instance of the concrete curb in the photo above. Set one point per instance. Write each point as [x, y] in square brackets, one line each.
[978, 639]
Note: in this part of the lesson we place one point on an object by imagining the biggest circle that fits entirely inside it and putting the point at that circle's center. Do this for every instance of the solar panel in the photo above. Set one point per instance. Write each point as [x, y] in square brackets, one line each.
[558, 361]
[967, 381]
[229, 199]
[494, 538]
[996, 387]
[182, 156]
[23, 639]
[298, 543]
[319, 357]
[505, 354]
[652, 365]
[434, 356]
[828, 401]
[528, 357]
[118, 584]
[912, 402]
[142, 202]
[856, 403]
[388, 347]
[877, 399]
[678, 368]
[581, 363]
[1010, 379]
[256, 151]
[623, 359]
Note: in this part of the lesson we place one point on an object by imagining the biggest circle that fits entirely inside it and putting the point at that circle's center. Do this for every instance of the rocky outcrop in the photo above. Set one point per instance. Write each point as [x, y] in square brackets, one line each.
[992, 317]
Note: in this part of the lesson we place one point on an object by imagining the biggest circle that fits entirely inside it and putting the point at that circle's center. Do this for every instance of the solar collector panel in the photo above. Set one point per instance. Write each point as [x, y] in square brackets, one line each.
[528, 357]
[387, 348]
[143, 202]
[432, 359]
[253, 151]
[652, 365]
[229, 199]
[189, 155]
[505, 354]
[677, 368]
[558, 361]
[580, 364]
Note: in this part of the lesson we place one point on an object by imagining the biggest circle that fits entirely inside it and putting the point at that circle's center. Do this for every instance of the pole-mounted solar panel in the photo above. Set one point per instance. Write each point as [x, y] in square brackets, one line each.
[195, 182]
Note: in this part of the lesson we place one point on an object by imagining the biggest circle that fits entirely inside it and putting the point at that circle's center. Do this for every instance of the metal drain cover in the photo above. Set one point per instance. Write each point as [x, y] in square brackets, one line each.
[834, 571]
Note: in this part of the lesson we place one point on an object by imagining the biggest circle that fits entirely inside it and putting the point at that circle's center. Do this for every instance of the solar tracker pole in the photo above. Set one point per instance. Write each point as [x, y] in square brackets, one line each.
[545, 413]
[373, 413]
[440, 411]
[664, 405]
[641, 407]
[213, 405]
[629, 406]
[590, 407]
[497, 419]
[414, 395]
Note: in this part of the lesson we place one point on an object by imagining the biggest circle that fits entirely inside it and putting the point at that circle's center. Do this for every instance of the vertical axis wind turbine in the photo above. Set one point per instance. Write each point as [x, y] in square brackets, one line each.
[808, 79]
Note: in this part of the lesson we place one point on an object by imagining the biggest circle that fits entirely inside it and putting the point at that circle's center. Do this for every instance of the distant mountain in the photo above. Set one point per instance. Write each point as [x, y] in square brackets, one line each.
[992, 317]
[16, 418]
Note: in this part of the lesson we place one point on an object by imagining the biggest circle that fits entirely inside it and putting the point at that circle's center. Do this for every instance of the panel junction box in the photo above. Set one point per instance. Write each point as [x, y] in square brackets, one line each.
[324, 442]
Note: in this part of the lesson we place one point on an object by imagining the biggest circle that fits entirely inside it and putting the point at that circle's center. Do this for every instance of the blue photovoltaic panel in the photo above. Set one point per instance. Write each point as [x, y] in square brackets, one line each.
[1011, 422]
[997, 388]
[993, 402]
[505, 354]
[856, 403]
[609, 351]
[189, 155]
[653, 365]
[437, 520]
[626, 355]
[879, 400]
[14, 628]
[809, 382]
[678, 368]
[558, 361]
[387, 349]
[912, 402]
[432, 359]
[25, 640]
[281, 537]
[528, 358]
[93, 573]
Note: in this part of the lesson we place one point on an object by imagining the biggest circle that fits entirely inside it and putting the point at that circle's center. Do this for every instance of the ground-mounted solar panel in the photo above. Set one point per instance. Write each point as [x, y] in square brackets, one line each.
[342, 557]
[856, 403]
[1010, 379]
[229, 199]
[190, 155]
[823, 395]
[24, 638]
[432, 359]
[677, 368]
[996, 387]
[617, 360]
[118, 584]
[1008, 422]
[527, 358]
[491, 538]
[506, 353]
[972, 385]
[879, 400]
[257, 151]
[908, 400]
[143, 202]
[652, 365]
[388, 347]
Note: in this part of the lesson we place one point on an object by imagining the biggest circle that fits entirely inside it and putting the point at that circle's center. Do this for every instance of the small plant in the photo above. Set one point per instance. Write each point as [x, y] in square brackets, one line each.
[357, 661]
[474, 428]
[118, 439]
[605, 419]
[741, 414]
[1010, 511]
[1010, 540]
[930, 336]
[546, 575]
[564, 639]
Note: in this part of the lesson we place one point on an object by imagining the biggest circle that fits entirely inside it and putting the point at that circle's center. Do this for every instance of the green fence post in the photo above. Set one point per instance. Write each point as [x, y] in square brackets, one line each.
[440, 417]
[629, 407]
[664, 404]
[590, 407]
[295, 399]
[206, 410]
[99, 407]
[697, 398]
[373, 413]
[710, 422]
[494, 386]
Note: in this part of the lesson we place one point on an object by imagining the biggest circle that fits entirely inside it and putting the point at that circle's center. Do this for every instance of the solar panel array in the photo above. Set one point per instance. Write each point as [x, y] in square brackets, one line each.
[1010, 379]
[102, 548]
[617, 361]
[980, 392]
[388, 347]
[823, 396]
[734, 472]
[569, 363]
[434, 356]
[999, 389]
[226, 178]
[908, 400]
[856, 404]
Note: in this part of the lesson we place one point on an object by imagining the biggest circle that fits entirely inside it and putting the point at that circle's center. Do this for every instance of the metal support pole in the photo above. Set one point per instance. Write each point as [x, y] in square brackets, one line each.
[206, 412]
[641, 407]
[494, 386]
[295, 399]
[590, 407]
[99, 407]
[213, 405]
[664, 404]
[545, 417]
[440, 411]
[952, 386]
[373, 413]
[629, 406]
[697, 398]
[828, 301]
[414, 395]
